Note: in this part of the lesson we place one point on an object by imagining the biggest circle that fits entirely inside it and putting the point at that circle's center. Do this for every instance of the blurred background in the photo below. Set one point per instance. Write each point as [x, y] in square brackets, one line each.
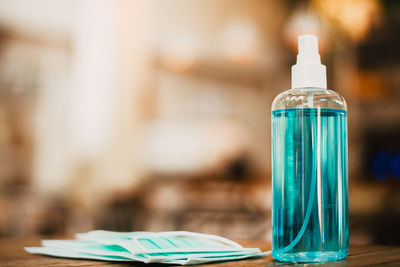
[155, 115]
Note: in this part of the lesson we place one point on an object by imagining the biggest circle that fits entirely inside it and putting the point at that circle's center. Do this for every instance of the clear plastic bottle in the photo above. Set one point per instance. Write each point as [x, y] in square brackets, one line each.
[309, 165]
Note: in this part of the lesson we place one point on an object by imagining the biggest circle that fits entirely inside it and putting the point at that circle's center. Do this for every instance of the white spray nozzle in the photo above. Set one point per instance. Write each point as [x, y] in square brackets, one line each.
[308, 50]
[308, 71]
[308, 43]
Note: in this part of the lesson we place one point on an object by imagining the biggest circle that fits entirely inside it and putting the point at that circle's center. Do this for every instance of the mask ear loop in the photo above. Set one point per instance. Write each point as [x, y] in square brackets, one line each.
[312, 190]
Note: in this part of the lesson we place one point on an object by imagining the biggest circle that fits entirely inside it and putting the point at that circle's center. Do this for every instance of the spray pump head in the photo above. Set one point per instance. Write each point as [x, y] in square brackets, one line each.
[308, 71]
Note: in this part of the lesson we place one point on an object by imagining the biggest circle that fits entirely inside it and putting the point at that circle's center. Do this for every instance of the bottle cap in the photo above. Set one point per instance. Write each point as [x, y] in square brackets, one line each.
[308, 71]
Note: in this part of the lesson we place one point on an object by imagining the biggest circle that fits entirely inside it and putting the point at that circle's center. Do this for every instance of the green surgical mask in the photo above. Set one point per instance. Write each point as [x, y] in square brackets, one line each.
[166, 247]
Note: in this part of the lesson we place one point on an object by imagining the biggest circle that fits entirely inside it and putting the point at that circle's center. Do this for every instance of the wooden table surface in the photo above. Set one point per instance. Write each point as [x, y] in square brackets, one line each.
[13, 254]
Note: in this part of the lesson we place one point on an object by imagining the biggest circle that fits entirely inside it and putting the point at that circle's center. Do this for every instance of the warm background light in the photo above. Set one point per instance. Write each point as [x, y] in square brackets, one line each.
[155, 115]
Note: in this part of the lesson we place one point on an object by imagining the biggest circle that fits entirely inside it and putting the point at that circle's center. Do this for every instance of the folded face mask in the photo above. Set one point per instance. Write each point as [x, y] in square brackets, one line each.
[165, 247]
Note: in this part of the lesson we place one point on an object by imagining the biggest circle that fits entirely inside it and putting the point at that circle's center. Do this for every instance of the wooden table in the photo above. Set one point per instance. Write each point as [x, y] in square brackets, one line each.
[13, 254]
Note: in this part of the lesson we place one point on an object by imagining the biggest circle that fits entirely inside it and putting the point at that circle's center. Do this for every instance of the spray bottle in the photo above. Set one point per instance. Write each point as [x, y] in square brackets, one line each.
[309, 165]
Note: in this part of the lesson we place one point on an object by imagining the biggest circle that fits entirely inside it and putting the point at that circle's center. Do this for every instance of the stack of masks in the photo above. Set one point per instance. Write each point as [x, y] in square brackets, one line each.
[182, 248]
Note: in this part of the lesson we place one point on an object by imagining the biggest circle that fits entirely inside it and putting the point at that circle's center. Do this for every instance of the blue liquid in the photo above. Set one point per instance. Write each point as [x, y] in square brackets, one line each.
[309, 184]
